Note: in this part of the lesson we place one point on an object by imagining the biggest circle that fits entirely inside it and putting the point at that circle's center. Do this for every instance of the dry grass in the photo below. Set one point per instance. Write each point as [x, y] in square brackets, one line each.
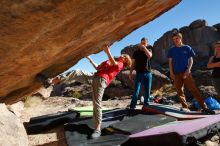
[31, 101]
[165, 91]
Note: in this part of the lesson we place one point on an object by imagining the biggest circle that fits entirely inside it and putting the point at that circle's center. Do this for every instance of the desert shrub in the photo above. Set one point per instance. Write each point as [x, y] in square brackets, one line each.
[75, 94]
[198, 72]
[115, 83]
[30, 101]
[165, 69]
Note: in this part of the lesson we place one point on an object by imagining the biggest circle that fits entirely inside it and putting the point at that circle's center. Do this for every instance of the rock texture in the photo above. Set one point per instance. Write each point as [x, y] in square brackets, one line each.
[50, 36]
[207, 91]
[117, 92]
[12, 130]
[130, 50]
[217, 26]
[159, 79]
[198, 35]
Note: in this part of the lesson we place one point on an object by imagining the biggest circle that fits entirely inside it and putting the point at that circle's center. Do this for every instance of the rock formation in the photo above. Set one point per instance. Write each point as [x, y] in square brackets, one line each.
[217, 26]
[48, 37]
[198, 35]
[129, 50]
[159, 79]
[12, 130]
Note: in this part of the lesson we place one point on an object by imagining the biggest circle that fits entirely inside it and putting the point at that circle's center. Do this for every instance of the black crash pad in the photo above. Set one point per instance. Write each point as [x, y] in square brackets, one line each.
[78, 132]
[141, 122]
[46, 122]
[79, 135]
[114, 131]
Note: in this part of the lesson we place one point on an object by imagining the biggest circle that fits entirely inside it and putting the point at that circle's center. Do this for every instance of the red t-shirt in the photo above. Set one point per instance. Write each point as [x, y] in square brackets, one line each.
[108, 71]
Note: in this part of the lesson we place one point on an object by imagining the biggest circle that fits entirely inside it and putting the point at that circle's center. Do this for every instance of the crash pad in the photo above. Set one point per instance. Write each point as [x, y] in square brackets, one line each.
[116, 126]
[174, 111]
[88, 110]
[180, 133]
[79, 132]
[141, 122]
[46, 122]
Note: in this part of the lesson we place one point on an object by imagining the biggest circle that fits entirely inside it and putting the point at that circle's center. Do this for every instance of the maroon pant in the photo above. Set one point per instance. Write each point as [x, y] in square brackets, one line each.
[189, 83]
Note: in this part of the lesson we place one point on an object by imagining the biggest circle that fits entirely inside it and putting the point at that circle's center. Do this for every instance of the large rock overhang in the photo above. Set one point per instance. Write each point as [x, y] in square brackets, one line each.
[50, 36]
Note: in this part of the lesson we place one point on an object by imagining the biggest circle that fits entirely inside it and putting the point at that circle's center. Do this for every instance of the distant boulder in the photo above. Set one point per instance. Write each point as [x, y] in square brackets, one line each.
[159, 79]
[198, 23]
[202, 77]
[117, 92]
[217, 26]
[129, 50]
[198, 35]
[132, 48]
[207, 91]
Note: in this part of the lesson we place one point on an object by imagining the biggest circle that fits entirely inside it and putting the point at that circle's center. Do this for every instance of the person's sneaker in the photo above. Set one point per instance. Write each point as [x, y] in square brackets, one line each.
[185, 109]
[141, 100]
[96, 134]
[208, 111]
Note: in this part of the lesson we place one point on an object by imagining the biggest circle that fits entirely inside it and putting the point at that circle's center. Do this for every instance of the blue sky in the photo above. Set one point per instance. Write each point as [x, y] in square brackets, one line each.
[181, 15]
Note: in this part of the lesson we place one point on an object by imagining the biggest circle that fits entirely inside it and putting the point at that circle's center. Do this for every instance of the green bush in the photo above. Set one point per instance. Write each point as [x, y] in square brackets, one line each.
[197, 72]
[115, 83]
[165, 69]
[75, 94]
[31, 101]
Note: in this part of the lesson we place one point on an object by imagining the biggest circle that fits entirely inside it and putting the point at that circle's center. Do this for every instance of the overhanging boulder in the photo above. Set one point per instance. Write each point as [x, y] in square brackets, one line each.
[50, 36]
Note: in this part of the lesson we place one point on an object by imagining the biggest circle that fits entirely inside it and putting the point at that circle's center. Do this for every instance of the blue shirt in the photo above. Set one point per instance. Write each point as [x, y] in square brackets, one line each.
[180, 56]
